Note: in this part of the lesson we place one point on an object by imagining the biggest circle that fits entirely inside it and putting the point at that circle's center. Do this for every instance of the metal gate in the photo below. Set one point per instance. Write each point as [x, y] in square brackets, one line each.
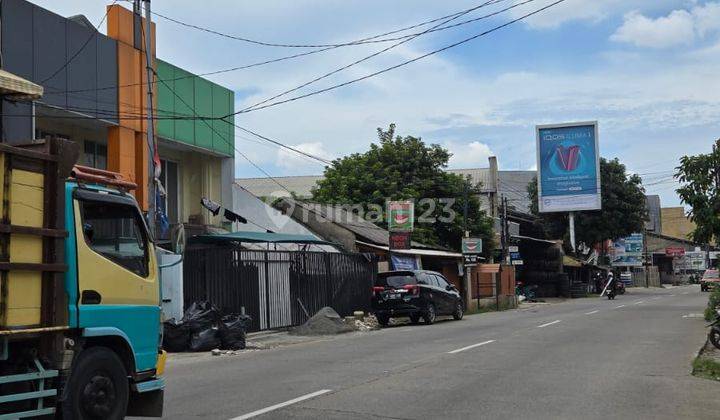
[278, 288]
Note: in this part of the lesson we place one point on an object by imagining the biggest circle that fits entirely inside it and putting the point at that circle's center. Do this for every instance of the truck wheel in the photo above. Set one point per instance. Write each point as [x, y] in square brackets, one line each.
[98, 387]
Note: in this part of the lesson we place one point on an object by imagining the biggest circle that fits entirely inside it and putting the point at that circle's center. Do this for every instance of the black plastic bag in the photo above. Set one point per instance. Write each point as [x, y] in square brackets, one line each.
[232, 331]
[205, 340]
[200, 316]
[176, 336]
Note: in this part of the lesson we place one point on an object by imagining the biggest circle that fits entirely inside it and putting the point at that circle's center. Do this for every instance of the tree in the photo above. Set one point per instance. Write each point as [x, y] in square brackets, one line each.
[700, 189]
[623, 208]
[405, 168]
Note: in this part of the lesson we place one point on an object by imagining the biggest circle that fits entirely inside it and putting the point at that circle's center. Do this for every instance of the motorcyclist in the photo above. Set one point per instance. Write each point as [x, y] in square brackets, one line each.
[610, 286]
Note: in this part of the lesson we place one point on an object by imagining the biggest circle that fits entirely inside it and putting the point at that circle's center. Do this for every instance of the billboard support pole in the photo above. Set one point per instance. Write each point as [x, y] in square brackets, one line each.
[571, 220]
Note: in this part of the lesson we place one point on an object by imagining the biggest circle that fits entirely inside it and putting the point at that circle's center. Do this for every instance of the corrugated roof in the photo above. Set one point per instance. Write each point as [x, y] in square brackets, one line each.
[19, 88]
[255, 237]
[266, 187]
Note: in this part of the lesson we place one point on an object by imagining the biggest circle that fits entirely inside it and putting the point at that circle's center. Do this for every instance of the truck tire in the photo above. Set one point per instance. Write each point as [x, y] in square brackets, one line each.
[98, 387]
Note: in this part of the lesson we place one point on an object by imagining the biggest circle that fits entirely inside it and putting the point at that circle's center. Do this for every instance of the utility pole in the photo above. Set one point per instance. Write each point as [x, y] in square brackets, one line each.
[647, 259]
[152, 202]
[571, 220]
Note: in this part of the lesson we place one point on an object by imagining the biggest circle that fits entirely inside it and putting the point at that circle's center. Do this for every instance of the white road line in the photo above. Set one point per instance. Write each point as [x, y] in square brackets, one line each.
[639, 302]
[471, 347]
[281, 405]
[672, 295]
[591, 312]
[620, 306]
[549, 323]
[685, 293]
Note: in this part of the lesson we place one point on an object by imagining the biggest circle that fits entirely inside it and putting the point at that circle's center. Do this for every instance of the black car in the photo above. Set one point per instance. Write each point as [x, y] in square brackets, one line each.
[415, 294]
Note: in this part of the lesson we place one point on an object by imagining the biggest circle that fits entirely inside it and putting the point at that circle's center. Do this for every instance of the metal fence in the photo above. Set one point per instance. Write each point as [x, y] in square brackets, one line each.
[278, 288]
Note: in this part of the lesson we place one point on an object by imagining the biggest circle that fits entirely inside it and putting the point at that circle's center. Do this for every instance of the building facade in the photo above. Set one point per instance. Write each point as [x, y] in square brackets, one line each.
[95, 94]
[675, 223]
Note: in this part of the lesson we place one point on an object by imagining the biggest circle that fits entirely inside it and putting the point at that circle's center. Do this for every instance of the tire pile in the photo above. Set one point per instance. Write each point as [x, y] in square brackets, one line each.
[543, 268]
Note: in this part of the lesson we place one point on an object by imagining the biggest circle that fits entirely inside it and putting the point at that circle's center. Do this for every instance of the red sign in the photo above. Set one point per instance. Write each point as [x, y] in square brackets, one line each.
[674, 251]
[399, 240]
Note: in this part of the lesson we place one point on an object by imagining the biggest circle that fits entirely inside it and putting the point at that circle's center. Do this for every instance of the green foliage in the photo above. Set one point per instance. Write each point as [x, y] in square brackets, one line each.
[700, 189]
[623, 208]
[706, 367]
[406, 168]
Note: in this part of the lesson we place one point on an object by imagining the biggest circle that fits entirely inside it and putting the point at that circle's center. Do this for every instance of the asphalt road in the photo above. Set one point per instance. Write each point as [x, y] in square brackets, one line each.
[585, 358]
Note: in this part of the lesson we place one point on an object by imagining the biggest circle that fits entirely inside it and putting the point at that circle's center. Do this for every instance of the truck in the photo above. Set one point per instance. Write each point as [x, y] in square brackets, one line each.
[80, 304]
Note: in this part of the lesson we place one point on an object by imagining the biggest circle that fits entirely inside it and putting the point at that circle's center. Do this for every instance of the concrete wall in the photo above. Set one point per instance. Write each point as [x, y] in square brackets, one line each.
[674, 222]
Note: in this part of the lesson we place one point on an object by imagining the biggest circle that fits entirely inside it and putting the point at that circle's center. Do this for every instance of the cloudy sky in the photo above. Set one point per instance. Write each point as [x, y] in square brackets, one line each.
[647, 71]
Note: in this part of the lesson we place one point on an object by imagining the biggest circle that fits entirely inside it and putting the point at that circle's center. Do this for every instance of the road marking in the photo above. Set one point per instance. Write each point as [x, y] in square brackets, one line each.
[281, 405]
[639, 302]
[591, 312]
[549, 323]
[471, 347]
[672, 295]
[685, 293]
[620, 306]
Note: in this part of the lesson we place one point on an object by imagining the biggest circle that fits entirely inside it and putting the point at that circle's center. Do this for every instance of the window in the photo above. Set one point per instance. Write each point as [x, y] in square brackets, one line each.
[116, 232]
[432, 280]
[95, 155]
[442, 283]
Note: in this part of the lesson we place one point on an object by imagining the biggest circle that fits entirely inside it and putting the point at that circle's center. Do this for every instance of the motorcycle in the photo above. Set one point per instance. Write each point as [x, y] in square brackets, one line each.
[714, 334]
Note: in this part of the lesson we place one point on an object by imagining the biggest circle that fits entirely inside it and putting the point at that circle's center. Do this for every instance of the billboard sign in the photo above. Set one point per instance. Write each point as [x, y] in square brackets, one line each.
[568, 162]
[674, 251]
[628, 251]
[401, 216]
[399, 240]
[472, 246]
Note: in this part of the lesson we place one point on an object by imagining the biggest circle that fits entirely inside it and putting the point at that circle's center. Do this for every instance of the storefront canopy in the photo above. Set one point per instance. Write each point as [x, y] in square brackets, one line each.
[257, 237]
[17, 87]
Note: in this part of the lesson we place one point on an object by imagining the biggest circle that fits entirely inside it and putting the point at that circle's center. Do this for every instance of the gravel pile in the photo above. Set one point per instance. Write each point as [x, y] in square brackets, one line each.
[369, 323]
[325, 322]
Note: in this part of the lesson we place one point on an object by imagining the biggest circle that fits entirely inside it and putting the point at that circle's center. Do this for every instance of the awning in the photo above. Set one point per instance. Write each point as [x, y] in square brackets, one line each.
[414, 251]
[530, 238]
[17, 87]
[256, 237]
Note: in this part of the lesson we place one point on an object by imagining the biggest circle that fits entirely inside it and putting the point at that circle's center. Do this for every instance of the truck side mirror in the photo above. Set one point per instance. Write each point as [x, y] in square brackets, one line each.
[177, 239]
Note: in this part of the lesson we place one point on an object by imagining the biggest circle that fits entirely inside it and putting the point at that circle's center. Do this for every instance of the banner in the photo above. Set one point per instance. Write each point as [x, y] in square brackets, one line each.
[403, 262]
[628, 252]
[472, 246]
[568, 163]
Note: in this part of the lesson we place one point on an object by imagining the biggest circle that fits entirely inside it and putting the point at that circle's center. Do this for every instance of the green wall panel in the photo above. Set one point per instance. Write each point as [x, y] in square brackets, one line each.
[194, 95]
[203, 106]
[166, 99]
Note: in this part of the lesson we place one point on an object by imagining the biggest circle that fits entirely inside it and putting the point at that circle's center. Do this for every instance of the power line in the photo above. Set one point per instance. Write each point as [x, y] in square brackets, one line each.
[375, 54]
[87, 41]
[404, 63]
[277, 143]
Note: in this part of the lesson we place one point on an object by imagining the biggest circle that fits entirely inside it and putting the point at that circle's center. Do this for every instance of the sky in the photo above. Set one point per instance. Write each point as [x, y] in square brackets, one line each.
[645, 70]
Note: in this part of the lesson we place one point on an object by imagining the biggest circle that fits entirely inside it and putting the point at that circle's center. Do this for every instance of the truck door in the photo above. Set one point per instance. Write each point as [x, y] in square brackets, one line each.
[117, 273]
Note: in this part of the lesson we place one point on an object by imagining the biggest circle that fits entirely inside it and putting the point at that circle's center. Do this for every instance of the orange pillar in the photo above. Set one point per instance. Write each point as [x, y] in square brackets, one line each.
[127, 146]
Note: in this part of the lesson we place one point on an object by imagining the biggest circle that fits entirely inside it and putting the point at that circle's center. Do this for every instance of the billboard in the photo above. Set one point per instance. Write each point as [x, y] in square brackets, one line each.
[628, 251]
[401, 216]
[471, 245]
[568, 162]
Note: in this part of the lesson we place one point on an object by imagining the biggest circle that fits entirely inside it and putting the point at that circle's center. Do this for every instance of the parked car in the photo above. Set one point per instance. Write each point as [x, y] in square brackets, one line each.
[415, 294]
[710, 279]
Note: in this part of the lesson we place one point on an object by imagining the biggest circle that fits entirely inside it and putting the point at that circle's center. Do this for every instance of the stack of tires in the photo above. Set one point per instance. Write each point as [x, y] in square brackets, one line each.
[543, 268]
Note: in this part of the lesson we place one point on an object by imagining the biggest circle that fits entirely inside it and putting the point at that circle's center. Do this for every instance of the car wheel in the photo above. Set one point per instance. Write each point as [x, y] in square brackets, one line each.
[414, 318]
[383, 320]
[458, 314]
[430, 314]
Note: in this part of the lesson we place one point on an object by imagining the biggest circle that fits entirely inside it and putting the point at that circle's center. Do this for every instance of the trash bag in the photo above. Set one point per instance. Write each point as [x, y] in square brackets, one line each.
[232, 331]
[200, 316]
[176, 336]
[205, 340]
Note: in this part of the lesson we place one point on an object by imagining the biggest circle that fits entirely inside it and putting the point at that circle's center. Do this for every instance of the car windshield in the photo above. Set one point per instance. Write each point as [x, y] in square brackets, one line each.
[397, 280]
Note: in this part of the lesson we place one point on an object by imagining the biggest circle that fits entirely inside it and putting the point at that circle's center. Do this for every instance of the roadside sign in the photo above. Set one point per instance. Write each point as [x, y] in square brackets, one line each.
[399, 240]
[400, 216]
[628, 251]
[515, 255]
[472, 246]
[513, 248]
[516, 262]
[470, 260]
[568, 162]
[674, 251]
